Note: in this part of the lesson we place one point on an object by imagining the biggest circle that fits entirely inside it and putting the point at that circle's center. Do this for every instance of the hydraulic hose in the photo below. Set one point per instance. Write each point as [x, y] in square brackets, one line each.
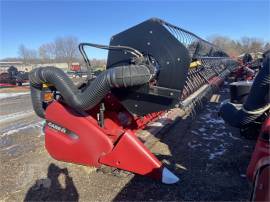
[256, 104]
[93, 93]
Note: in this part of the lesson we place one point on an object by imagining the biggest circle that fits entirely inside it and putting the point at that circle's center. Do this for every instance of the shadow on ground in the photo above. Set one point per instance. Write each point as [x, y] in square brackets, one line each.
[50, 189]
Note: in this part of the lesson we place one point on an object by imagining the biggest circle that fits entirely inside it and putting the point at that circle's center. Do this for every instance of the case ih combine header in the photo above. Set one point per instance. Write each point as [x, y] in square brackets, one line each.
[151, 68]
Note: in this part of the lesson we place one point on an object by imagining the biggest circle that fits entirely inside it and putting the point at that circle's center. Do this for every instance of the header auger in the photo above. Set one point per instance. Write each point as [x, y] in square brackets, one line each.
[151, 67]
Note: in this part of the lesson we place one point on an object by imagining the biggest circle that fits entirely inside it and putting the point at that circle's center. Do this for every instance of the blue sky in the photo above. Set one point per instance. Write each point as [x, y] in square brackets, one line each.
[35, 22]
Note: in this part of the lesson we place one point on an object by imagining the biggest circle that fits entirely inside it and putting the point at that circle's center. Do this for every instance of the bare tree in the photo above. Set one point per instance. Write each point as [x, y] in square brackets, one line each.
[237, 47]
[256, 46]
[66, 49]
[27, 55]
[98, 63]
[229, 46]
[47, 52]
[251, 44]
[245, 43]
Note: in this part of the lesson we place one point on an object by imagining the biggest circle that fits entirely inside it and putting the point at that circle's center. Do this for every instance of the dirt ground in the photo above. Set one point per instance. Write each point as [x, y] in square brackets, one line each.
[209, 157]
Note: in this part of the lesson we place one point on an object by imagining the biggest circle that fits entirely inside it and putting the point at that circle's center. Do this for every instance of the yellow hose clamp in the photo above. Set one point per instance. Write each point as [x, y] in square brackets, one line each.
[195, 64]
[46, 85]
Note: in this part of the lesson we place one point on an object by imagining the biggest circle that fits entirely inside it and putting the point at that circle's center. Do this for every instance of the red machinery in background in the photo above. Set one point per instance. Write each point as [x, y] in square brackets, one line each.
[75, 67]
[249, 110]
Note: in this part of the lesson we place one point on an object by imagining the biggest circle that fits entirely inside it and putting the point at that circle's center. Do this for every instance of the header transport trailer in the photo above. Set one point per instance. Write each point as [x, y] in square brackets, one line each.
[151, 68]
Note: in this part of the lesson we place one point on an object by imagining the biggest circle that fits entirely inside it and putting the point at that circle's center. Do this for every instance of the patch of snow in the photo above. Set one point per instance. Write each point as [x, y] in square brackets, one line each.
[202, 129]
[218, 134]
[231, 136]
[243, 175]
[217, 153]
[156, 124]
[215, 121]
[29, 126]
[206, 116]
[213, 138]
[195, 132]
[192, 146]
[4, 118]
[8, 95]
[212, 111]
[225, 90]
[209, 138]
[10, 147]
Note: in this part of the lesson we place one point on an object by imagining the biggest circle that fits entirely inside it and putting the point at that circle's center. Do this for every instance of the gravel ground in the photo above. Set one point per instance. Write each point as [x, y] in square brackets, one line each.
[209, 157]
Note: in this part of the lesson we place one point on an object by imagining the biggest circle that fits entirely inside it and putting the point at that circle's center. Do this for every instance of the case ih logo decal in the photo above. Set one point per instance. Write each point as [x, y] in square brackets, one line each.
[56, 127]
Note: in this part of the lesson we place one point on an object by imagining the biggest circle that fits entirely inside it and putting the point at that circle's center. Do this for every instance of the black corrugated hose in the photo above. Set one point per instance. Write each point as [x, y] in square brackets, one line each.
[257, 102]
[93, 93]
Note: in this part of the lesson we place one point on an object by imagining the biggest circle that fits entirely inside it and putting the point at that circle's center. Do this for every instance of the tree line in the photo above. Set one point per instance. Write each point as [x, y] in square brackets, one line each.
[237, 47]
[62, 49]
[65, 49]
